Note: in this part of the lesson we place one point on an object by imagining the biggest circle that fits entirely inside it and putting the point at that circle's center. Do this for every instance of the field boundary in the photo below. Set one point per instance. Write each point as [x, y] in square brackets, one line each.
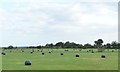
[60, 71]
[118, 35]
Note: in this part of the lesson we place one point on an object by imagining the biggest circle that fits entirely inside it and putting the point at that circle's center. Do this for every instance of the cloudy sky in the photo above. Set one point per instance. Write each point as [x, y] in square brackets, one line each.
[37, 22]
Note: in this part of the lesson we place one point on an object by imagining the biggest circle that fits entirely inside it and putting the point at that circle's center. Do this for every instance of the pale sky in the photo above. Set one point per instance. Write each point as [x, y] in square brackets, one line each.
[37, 22]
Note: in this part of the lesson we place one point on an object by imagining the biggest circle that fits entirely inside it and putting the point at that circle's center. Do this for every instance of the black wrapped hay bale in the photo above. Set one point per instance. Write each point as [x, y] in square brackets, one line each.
[102, 56]
[112, 50]
[27, 62]
[31, 52]
[49, 52]
[61, 54]
[92, 51]
[77, 55]
[3, 53]
[43, 53]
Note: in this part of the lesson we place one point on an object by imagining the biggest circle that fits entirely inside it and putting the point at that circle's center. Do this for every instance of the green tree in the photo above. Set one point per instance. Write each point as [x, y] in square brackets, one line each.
[59, 45]
[114, 45]
[49, 45]
[98, 43]
[108, 45]
[39, 47]
[88, 45]
[118, 45]
[67, 45]
[10, 47]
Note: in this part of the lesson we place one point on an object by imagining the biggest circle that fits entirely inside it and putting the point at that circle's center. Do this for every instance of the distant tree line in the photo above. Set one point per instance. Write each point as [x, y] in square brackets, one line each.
[98, 44]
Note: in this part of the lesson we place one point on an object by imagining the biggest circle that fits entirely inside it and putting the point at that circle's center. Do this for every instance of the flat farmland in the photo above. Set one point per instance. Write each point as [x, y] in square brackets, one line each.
[14, 59]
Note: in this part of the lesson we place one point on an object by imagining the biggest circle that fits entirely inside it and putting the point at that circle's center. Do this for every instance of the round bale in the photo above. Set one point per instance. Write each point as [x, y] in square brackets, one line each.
[43, 53]
[61, 53]
[3, 53]
[102, 56]
[77, 55]
[92, 51]
[112, 50]
[31, 52]
[27, 62]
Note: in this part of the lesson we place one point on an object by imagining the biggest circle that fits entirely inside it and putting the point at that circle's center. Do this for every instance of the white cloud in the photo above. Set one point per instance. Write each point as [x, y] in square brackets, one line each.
[79, 18]
[26, 21]
[45, 21]
[100, 15]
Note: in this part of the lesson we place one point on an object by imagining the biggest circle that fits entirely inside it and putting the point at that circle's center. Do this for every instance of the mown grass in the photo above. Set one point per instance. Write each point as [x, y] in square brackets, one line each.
[54, 61]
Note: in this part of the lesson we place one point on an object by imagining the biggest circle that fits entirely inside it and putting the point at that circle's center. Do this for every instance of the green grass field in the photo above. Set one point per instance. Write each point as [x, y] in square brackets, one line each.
[54, 61]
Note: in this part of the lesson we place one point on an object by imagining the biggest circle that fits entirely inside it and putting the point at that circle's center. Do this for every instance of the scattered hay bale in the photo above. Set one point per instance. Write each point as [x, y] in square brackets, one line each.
[43, 53]
[3, 53]
[31, 52]
[27, 62]
[61, 53]
[112, 50]
[77, 55]
[92, 51]
[102, 56]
